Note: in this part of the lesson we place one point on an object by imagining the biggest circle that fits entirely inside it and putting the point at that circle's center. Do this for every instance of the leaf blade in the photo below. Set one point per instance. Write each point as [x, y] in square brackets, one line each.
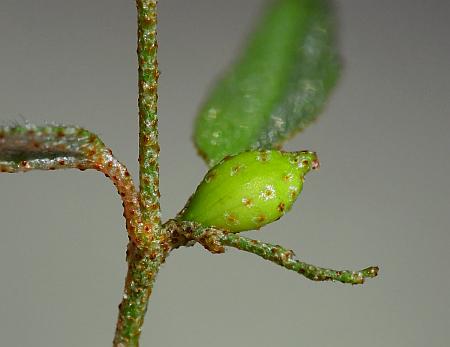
[29, 147]
[240, 112]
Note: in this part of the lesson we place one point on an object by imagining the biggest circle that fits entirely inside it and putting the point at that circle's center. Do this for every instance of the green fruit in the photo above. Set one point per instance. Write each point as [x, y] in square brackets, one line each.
[249, 190]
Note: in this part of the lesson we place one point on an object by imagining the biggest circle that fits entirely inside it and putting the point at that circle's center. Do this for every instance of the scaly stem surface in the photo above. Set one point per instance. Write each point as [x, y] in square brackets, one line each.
[214, 240]
[285, 258]
[144, 258]
[143, 266]
[147, 48]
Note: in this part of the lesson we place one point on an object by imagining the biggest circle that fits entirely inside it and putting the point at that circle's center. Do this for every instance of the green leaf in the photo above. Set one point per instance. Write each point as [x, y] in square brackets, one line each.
[277, 87]
[30, 147]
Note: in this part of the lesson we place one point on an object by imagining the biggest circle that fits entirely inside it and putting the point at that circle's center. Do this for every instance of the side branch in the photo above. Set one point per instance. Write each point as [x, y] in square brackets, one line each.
[187, 233]
[148, 74]
[29, 147]
[285, 258]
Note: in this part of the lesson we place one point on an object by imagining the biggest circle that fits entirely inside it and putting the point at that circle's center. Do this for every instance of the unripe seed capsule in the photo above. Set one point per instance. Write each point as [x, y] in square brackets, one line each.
[249, 190]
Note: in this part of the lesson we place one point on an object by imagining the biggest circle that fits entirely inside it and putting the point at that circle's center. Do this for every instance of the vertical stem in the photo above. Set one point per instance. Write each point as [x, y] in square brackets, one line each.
[147, 48]
[143, 266]
[144, 258]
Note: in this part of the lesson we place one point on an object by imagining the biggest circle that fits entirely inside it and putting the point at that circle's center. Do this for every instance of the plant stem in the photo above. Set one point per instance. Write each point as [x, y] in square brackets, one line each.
[285, 258]
[146, 256]
[185, 233]
[143, 266]
[148, 73]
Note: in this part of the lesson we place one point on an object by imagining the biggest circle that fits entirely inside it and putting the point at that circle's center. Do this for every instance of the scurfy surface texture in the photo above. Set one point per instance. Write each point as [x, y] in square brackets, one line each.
[374, 199]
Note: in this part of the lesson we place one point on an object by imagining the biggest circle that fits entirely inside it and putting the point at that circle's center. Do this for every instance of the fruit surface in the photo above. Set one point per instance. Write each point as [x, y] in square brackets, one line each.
[249, 190]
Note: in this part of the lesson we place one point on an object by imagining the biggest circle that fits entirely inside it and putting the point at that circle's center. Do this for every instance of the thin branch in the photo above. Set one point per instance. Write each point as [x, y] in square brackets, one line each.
[285, 258]
[183, 233]
[29, 147]
[147, 48]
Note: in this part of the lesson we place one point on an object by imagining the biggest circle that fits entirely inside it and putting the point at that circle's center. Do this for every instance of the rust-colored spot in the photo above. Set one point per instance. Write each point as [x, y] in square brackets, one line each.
[281, 207]
[166, 247]
[235, 169]
[293, 194]
[268, 193]
[23, 163]
[288, 177]
[148, 21]
[61, 162]
[155, 147]
[263, 156]
[60, 133]
[260, 219]
[152, 49]
[210, 176]
[247, 202]
[231, 218]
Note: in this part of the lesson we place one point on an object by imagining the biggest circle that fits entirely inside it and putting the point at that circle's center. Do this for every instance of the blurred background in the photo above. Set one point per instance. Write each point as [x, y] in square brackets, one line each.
[382, 196]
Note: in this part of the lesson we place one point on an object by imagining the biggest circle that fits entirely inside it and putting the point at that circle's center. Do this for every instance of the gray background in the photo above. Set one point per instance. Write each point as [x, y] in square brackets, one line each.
[381, 197]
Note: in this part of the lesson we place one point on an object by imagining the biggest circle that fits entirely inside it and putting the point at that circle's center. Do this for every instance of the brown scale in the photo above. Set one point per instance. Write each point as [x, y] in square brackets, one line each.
[231, 218]
[260, 219]
[247, 202]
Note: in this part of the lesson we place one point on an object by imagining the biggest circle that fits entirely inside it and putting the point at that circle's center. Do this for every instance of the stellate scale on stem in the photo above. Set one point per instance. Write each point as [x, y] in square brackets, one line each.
[276, 88]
